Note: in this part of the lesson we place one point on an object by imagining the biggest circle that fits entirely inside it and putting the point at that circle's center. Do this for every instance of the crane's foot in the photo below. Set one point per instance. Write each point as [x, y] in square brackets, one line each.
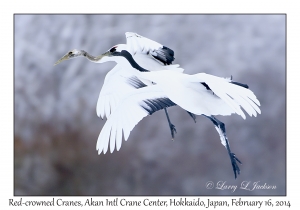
[173, 130]
[172, 127]
[235, 167]
[220, 127]
[192, 116]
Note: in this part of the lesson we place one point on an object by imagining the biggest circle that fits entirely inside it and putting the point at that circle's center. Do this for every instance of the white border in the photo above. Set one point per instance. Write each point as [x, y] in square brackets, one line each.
[153, 6]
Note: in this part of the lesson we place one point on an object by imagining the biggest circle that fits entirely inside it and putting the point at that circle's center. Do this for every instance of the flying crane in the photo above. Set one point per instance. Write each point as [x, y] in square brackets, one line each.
[146, 53]
[153, 87]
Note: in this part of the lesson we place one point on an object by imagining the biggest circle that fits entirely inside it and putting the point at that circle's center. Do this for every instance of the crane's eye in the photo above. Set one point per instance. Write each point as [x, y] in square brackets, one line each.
[70, 53]
[113, 49]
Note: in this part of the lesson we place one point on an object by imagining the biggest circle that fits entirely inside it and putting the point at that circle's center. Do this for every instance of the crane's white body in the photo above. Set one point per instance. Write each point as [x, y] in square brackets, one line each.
[115, 84]
[223, 98]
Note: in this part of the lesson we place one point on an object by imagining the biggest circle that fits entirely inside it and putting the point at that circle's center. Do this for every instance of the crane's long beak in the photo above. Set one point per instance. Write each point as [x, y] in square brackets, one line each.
[65, 57]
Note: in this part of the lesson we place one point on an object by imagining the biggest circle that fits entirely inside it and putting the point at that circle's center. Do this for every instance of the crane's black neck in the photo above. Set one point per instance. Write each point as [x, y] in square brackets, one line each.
[130, 59]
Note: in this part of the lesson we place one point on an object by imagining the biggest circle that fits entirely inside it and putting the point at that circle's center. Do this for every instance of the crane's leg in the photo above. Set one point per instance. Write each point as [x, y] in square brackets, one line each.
[172, 127]
[220, 127]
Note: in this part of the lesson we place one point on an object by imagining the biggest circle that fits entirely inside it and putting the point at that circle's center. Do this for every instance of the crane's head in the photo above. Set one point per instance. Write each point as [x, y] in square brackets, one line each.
[71, 54]
[118, 48]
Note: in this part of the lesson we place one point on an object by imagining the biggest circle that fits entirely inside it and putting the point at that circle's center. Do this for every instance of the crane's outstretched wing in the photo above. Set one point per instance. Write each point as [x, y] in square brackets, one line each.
[117, 83]
[130, 110]
[138, 44]
[234, 94]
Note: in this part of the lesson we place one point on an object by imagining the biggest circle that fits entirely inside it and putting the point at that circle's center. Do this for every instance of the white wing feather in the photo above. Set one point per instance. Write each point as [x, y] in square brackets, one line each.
[142, 49]
[140, 44]
[233, 95]
[126, 115]
[114, 88]
[218, 97]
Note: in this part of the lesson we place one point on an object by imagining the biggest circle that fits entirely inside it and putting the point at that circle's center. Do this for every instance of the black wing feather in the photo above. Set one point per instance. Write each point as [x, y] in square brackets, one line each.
[136, 82]
[157, 104]
[165, 55]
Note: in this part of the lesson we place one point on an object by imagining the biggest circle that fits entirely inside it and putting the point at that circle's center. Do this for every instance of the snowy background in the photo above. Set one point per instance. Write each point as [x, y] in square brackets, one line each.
[56, 126]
